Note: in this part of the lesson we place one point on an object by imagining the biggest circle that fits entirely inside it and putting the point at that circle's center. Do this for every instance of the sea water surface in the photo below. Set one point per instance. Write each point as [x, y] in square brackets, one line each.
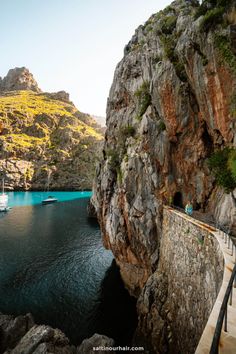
[34, 198]
[53, 264]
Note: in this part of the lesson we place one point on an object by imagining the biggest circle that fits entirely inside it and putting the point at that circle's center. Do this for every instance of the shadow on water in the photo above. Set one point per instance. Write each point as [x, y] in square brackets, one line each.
[115, 315]
[53, 264]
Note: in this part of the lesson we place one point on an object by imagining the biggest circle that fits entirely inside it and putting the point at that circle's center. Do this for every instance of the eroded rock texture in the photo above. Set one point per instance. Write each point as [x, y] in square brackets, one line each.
[44, 139]
[20, 335]
[19, 79]
[171, 105]
[177, 299]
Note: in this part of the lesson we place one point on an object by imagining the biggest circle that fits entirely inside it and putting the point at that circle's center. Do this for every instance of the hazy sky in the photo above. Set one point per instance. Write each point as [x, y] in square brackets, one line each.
[71, 45]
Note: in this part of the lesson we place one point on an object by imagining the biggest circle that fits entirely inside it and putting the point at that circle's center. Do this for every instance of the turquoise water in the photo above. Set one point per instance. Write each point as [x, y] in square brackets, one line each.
[53, 264]
[34, 198]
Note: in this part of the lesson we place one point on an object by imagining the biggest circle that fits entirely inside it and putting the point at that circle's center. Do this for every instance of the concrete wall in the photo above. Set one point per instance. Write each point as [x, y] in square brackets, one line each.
[178, 298]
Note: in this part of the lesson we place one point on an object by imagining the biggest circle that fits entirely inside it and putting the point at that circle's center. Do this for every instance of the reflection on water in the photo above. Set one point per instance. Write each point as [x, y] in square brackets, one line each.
[34, 198]
[53, 264]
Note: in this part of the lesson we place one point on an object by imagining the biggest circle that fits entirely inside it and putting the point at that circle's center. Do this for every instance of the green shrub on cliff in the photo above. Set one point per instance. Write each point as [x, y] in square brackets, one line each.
[169, 47]
[203, 9]
[212, 18]
[169, 43]
[114, 159]
[144, 98]
[223, 166]
[168, 24]
[232, 163]
[224, 46]
[127, 131]
[161, 126]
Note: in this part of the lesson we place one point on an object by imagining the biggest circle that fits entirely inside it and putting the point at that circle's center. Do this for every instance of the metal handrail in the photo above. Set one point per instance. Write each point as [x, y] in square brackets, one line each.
[223, 314]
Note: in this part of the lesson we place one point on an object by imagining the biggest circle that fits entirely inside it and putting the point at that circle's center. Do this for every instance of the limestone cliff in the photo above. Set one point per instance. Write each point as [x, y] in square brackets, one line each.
[171, 137]
[44, 139]
[171, 106]
[18, 79]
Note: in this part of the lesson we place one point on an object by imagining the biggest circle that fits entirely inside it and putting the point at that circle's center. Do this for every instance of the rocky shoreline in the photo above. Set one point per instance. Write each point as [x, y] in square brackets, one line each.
[21, 335]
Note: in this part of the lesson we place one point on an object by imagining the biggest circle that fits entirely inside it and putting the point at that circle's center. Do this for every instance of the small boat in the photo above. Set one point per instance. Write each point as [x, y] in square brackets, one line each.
[49, 200]
[3, 200]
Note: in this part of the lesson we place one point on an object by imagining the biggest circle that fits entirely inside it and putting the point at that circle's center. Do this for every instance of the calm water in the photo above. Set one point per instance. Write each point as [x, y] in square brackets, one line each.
[53, 264]
[33, 198]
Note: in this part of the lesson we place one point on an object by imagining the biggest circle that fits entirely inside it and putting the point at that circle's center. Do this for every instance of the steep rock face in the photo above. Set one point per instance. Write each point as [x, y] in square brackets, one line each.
[45, 140]
[170, 106]
[19, 79]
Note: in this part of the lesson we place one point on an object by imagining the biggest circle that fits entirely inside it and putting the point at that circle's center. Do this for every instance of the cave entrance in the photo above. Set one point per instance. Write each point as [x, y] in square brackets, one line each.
[178, 200]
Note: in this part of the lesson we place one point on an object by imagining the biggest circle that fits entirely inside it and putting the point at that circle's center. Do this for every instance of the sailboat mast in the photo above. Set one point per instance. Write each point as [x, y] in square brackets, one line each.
[3, 186]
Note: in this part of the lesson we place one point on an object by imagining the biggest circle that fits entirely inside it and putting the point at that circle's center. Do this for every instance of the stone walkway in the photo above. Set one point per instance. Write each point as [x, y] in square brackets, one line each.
[228, 339]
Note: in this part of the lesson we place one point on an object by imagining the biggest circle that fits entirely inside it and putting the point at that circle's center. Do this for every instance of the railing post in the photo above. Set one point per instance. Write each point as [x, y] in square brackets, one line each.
[222, 321]
[226, 315]
[231, 297]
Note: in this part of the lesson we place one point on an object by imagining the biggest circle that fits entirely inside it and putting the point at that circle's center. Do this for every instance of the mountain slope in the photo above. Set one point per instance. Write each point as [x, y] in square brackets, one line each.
[44, 138]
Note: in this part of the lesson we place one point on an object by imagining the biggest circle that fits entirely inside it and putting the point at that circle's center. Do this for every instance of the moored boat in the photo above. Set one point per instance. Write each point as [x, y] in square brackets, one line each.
[3, 200]
[49, 200]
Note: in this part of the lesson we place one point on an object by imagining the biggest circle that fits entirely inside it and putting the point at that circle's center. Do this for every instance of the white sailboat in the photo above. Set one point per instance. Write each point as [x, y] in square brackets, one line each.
[3, 199]
[50, 199]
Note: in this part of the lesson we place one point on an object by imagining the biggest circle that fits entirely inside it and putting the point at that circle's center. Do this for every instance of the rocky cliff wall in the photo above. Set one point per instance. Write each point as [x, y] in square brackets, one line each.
[177, 299]
[44, 139]
[19, 79]
[171, 105]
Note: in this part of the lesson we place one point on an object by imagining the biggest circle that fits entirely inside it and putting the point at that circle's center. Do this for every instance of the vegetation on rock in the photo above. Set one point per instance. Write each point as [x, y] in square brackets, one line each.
[168, 24]
[224, 46]
[144, 98]
[127, 131]
[156, 166]
[212, 17]
[223, 166]
[162, 126]
[36, 128]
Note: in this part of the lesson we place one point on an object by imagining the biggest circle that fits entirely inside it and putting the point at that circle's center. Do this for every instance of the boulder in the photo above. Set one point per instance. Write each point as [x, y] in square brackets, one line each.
[97, 341]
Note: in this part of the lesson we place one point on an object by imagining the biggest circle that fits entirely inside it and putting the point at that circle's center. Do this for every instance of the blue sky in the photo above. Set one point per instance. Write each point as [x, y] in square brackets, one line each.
[71, 45]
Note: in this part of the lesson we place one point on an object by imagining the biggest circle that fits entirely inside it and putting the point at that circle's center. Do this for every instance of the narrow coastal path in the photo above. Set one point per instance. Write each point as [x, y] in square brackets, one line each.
[227, 344]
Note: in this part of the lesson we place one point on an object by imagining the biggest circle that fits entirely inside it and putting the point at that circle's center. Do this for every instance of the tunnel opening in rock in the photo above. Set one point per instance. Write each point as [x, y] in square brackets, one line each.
[207, 139]
[178, 200]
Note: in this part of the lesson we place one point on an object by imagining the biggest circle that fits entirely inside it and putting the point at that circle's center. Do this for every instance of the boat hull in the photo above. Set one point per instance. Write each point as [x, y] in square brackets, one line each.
[4, 210]
[3, 202]
[49, 201]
